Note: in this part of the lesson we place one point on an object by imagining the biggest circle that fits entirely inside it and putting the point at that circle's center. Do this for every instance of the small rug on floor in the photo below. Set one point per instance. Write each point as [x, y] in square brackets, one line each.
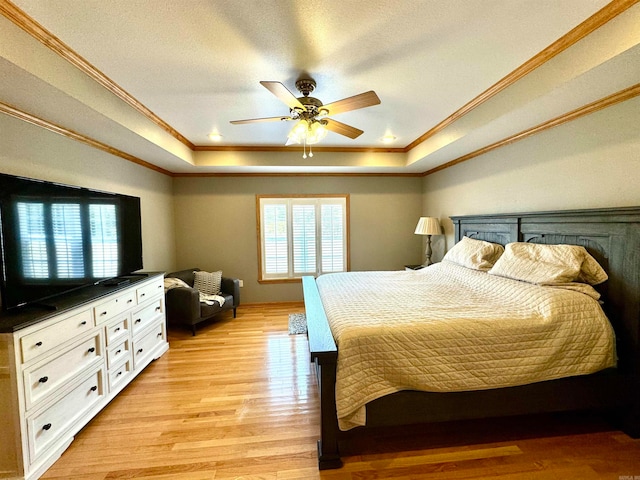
[297, 323]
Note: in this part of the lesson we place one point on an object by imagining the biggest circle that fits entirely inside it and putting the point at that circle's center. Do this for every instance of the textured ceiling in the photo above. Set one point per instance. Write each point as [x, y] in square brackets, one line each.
[197, 65]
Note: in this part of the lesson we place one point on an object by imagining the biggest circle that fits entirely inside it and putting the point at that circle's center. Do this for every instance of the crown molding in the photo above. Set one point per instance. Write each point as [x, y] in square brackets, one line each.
[297, 174]
[595, 21]
[269, 148]
[65, 132]
[49, 40]
[33, 28]
[618, 97]
[608, 101]
[37, 31]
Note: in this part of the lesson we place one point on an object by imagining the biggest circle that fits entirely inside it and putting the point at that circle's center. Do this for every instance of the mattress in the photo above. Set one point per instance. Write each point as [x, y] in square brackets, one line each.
[449, 328]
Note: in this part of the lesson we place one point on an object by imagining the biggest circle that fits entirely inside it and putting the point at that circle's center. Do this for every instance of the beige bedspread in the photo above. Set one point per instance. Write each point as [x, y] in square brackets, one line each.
[449, 328]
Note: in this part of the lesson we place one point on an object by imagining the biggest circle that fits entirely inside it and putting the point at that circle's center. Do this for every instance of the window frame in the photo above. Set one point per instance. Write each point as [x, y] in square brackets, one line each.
[262, 277]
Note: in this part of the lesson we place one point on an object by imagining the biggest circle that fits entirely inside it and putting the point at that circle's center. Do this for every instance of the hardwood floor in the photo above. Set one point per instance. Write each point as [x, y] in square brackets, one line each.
[238, 401]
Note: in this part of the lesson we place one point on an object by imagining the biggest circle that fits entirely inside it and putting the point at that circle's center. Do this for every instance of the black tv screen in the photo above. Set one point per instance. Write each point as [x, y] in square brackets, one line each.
[55, 238]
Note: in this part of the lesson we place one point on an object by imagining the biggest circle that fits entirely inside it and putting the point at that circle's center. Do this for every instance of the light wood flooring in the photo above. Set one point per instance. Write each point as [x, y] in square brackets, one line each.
[238, 401]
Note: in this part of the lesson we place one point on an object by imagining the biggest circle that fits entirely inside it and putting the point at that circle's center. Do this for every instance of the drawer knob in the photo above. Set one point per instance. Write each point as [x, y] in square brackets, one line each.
[84, 322]
[138, 320]
[129, 301]
[159, 334]
[142, 294]
[103, 313]
[158, 309]
[94, 388]
[46, 427]
[91, 350]
[140, 350]
[117, 329]
[44, 380]
[118, 352]
[119, 373]
[38, 344]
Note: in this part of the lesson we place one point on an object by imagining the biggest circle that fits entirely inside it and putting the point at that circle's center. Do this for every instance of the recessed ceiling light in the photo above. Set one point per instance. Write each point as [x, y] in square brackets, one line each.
[388, 138]
[216, 137]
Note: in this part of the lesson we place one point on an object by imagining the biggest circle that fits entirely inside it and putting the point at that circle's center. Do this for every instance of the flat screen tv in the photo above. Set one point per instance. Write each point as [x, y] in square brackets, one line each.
[55, 238]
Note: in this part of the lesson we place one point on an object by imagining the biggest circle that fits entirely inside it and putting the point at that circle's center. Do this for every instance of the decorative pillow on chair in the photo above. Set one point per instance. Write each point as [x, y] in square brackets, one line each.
[476, 254]
[548, 264]
[207, 282]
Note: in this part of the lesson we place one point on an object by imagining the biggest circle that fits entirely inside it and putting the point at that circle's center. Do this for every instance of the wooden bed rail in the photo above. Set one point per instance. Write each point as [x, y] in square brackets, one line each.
[324, 355]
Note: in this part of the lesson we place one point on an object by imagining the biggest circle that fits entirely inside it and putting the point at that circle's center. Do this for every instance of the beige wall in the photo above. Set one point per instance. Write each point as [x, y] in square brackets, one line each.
[592, 162]
[33, 152]
[216, 224]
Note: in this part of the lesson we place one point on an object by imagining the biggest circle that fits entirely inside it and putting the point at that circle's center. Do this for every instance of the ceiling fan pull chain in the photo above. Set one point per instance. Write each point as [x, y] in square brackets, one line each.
[310, 152]
[304, 147]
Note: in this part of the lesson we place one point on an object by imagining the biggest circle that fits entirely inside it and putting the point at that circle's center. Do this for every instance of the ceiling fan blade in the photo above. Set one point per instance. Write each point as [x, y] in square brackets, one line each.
[258, 120]
[363, 100]
[280, 91]
[342, 129]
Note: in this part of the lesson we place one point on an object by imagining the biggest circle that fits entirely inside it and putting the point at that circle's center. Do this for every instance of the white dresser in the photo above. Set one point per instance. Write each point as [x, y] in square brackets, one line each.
[58, 372]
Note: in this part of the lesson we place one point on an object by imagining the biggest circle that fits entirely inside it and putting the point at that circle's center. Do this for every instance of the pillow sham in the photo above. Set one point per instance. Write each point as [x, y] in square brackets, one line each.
[475, 254]
[207, 282]
[548, 264]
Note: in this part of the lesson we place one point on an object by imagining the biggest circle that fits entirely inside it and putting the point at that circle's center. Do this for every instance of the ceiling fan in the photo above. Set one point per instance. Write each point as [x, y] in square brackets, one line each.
[311, 114]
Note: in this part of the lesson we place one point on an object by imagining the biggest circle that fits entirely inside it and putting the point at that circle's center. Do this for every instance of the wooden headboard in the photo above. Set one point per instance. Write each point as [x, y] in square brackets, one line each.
[611, 236]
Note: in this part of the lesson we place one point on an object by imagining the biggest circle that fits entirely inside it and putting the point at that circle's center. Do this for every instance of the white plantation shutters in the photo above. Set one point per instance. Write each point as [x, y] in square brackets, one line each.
[275, 253]
[332, 234]
[302, 236]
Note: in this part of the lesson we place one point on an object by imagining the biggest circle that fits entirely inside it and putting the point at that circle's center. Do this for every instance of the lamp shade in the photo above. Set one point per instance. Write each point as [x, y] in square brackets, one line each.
[428, 226]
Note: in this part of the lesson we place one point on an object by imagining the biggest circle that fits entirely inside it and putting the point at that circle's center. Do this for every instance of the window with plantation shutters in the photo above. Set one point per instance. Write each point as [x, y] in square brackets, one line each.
[302, 235]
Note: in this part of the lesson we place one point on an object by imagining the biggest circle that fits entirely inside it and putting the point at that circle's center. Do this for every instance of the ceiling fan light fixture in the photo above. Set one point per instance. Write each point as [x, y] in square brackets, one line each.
[316, 132]
[298, 133]
[215, 136]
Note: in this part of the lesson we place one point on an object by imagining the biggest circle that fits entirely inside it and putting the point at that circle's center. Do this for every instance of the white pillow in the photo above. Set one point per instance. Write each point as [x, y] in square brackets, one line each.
[476, 254]
[548, 264]
[207, 282]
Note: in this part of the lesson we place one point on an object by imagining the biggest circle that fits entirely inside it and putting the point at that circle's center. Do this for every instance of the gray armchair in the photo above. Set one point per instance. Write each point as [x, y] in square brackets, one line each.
[183, 304]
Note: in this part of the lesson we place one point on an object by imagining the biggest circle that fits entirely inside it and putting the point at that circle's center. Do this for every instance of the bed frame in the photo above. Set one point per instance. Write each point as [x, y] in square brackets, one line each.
[612, 236]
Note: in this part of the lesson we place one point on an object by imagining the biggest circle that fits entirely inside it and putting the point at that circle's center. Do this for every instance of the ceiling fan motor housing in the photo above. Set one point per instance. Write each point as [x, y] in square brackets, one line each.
[312, 106]
[305, 86]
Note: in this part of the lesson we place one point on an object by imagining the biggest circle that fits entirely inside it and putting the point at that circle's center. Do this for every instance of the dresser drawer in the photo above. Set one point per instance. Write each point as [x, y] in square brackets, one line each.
[113, 307]
[119, 374]
[146, 315]
[39, 342]
[145, 346]
[46, 428]
[50, 374]
[118, 329]
[145, 292]
[117, 352]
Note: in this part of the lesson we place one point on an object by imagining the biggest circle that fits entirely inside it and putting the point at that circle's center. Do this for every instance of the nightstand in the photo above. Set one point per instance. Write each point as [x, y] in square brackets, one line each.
[413, 267]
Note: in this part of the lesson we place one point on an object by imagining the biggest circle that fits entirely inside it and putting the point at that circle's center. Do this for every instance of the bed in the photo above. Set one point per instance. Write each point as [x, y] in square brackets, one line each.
[610, 236]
